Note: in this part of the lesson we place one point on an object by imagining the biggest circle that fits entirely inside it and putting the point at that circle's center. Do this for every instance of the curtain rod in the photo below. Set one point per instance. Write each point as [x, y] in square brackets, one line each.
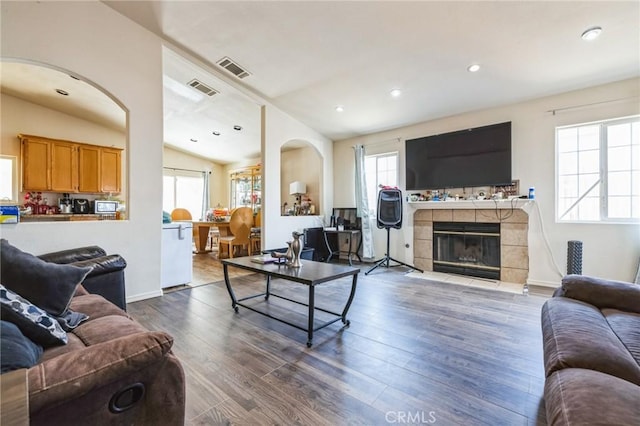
[187, 170]
[569, 108]
[386, 142]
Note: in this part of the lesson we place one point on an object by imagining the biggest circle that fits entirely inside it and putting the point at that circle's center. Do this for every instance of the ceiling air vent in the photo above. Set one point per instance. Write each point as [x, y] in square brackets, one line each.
[233, 67]
[198, 85]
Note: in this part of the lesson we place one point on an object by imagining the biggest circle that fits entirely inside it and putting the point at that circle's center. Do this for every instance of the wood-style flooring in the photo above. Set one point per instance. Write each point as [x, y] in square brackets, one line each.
[416, 352]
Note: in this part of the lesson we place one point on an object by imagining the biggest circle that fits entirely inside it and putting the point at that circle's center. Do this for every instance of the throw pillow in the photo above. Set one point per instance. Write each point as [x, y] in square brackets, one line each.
[34, 323]
[16, 349]
[49, 286]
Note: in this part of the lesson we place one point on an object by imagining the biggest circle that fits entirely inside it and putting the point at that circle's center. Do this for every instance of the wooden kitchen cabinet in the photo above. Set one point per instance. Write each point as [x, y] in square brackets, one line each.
[36, 157]
[110, 170]
[64, 163]
[66, 166]
[89, 169]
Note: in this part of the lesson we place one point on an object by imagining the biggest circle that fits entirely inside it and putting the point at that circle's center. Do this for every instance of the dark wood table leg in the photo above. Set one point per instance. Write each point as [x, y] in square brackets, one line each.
[266, 296]
[234, 301]
[311, 311]
[345, 321]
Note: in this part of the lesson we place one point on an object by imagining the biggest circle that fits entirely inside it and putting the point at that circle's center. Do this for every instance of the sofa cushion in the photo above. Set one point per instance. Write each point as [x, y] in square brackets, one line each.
[576, 334]
[626, 325]
[601, 293]
[16, 350]
[76, 373]
[575, 396]
[95, 306]
[32, 321]
[108, 328]
[47, 285]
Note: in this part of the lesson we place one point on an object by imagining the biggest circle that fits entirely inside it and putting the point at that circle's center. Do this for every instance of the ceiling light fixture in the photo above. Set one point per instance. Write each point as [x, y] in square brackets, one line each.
[473, 68]
[339, 108]
[62, 92]
[216, 133]
[236, 127]
[396, 92]
[591, 33]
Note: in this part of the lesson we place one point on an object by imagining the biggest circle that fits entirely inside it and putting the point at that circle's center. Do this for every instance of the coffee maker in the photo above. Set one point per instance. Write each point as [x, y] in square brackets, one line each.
[65, 203]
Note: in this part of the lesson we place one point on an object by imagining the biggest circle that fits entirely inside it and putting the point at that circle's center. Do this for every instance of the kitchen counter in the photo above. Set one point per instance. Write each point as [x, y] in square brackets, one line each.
[63, 217]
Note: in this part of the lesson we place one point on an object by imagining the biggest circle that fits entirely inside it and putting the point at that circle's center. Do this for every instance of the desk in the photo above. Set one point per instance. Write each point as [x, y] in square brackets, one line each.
[310, 274]
[201, 233]
[351, 233]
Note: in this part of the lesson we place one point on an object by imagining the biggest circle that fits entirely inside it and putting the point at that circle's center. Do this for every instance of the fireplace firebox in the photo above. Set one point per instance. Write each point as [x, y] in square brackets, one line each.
[467, 248]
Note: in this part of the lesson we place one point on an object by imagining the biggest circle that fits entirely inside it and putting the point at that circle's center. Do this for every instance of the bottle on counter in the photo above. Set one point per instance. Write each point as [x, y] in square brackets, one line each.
[532, 192]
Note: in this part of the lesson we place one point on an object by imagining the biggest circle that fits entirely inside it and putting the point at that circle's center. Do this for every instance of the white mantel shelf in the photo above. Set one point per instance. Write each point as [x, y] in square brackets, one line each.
[517, 203]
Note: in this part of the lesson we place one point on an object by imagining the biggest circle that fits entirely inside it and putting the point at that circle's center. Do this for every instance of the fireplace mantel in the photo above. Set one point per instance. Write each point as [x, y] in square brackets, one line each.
[513, 216]
[517, 203]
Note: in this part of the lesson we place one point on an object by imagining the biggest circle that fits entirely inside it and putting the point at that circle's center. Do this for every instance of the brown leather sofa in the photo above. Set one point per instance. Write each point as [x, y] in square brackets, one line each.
[107, 271]
[111, 370]
[591, 338]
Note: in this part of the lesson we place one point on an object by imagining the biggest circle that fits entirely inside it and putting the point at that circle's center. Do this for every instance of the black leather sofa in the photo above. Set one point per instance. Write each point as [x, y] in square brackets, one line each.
[107, 276]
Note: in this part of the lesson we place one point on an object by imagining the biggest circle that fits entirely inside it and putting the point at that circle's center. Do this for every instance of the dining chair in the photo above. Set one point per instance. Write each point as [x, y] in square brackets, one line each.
[183, 214]
[180, 214]
[240, 226]
[255, 241]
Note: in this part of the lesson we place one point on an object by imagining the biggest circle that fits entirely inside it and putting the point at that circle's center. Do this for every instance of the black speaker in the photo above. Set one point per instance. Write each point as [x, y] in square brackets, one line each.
[389, 208]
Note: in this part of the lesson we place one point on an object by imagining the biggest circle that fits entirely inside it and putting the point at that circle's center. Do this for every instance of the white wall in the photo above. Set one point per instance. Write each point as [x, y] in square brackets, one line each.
[279, 128]
[611, 251]
[101, 46]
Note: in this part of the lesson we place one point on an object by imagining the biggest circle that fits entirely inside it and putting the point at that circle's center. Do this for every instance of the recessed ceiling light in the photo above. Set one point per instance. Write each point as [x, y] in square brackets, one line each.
[339, 108]
[591, 33]
[216, 133]
[62, 92]
[236, 127]
[473, 68]
[193, 140]
[396, 92]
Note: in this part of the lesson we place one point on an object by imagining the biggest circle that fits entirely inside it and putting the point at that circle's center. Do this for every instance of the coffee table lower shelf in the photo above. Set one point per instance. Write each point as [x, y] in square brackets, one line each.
[314, 274]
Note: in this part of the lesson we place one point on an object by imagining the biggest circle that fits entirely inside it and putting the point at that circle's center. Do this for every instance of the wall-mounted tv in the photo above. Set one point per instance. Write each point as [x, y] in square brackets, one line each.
[474, 157]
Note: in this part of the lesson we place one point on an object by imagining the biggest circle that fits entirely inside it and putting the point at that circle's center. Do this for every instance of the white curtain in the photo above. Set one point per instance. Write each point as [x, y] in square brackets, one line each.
[362, 204]
[205, 194]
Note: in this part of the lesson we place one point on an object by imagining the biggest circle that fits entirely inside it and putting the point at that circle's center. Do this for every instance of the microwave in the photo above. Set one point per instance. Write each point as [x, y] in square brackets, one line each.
[104, 207]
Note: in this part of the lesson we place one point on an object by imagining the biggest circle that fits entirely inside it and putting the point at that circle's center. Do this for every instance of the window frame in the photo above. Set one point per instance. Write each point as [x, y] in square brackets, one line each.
[174, 174]
[14, 179]
[373, 204]
[603, 174]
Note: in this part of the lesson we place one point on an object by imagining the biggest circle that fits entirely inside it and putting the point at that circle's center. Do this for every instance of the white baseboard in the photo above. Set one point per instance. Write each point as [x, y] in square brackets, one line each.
[552, 284]
[143, 296]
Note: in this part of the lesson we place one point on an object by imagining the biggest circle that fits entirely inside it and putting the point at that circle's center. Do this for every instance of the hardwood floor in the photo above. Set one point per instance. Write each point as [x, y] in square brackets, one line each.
[416, 352]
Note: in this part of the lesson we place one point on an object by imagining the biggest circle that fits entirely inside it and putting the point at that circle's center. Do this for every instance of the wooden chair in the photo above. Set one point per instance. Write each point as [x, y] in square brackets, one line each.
[255, 241]
[180, 214]
[240, 226]
[183, 214]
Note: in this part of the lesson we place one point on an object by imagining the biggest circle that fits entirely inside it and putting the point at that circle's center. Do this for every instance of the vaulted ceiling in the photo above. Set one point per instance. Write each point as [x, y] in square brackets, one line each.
[309, 57]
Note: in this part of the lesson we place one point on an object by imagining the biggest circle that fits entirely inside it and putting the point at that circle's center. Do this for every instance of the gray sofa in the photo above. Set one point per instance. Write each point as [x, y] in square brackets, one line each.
[591, 338]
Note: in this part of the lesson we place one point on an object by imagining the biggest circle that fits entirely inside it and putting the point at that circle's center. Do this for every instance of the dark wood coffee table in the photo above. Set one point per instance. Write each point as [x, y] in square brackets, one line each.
[310, 274]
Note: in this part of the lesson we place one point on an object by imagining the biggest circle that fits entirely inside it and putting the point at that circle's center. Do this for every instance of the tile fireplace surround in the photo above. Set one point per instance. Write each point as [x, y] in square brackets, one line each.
[514, 228]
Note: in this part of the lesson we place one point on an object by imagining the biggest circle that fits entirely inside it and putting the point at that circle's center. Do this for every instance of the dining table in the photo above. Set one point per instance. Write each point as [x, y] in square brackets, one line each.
[201, 232]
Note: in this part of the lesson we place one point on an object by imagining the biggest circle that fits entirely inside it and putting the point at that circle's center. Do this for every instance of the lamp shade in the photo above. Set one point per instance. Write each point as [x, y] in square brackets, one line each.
[297, 188]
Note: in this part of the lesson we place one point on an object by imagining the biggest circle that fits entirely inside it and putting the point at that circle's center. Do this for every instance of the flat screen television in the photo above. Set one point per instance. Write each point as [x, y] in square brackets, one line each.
[474, 157]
